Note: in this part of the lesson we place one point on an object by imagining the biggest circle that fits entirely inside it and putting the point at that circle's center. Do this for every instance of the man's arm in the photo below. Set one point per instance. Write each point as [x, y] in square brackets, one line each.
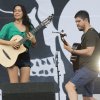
[85, 52]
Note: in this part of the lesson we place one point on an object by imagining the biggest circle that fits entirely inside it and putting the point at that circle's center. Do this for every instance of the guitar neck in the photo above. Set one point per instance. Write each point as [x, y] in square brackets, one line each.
[23, 40]
[42, 24]
[37, 28]
[64, 41]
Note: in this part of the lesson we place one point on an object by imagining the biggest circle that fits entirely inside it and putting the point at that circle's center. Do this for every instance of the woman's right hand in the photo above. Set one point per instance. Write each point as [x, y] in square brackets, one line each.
[15, 45]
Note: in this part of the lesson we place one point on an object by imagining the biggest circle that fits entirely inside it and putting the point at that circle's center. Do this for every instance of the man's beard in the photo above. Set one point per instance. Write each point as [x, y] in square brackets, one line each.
[80, 29]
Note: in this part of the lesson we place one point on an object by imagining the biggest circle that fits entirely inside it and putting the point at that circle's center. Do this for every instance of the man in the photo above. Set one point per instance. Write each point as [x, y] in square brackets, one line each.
[88, 69]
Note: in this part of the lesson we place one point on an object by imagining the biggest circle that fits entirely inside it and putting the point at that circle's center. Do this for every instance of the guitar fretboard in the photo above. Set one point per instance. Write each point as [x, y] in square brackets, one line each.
[37, 28]
[23, 40]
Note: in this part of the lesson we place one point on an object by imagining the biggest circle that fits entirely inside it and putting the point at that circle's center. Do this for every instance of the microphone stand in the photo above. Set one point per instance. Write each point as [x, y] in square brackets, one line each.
[56, 65]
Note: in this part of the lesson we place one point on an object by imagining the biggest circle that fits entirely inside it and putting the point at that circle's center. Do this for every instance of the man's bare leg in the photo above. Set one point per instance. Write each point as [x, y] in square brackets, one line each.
[71, 90]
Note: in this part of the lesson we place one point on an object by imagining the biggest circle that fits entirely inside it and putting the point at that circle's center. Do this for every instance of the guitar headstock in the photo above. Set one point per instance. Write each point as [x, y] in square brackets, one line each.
[62, 35]
[47, 20]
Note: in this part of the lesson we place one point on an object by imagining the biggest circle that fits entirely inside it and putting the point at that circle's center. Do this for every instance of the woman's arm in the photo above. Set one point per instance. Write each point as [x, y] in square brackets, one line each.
[4, 42]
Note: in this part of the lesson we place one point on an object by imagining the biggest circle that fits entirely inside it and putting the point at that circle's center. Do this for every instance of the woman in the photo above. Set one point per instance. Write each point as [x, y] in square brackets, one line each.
[21, 26]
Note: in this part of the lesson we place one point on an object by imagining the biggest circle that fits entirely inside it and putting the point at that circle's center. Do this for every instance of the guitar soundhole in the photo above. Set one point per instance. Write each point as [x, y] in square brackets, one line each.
[6, 54]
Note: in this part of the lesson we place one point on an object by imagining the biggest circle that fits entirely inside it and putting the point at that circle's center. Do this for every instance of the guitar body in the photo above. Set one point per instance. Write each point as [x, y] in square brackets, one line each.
[75, 58]
[9, 55]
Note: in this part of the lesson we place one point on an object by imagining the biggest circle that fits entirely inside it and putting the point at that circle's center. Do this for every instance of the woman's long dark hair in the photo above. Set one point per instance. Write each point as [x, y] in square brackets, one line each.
[26, 21]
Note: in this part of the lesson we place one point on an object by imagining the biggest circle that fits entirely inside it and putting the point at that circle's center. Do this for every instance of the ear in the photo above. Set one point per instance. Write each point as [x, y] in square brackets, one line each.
[86, 20]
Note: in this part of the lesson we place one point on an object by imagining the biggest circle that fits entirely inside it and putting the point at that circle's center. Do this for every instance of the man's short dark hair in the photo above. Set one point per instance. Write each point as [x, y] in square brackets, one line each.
[82, 14]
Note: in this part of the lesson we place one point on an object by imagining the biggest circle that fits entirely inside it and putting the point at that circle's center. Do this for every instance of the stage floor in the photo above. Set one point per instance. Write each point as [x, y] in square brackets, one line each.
[96, 96]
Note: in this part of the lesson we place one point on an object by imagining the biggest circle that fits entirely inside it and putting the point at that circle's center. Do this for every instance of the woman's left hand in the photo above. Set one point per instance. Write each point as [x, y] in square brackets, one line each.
[31, 37]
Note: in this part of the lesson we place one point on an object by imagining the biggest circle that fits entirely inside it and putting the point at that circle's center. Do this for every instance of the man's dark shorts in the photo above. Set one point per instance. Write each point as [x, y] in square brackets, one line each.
[85, 77]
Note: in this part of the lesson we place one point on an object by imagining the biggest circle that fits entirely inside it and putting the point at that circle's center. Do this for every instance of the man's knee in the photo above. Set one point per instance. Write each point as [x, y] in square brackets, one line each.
[70, 86]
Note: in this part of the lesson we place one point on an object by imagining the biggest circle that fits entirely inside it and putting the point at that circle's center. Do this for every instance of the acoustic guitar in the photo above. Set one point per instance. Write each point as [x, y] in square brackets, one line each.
[9, 55]
[74, 57]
